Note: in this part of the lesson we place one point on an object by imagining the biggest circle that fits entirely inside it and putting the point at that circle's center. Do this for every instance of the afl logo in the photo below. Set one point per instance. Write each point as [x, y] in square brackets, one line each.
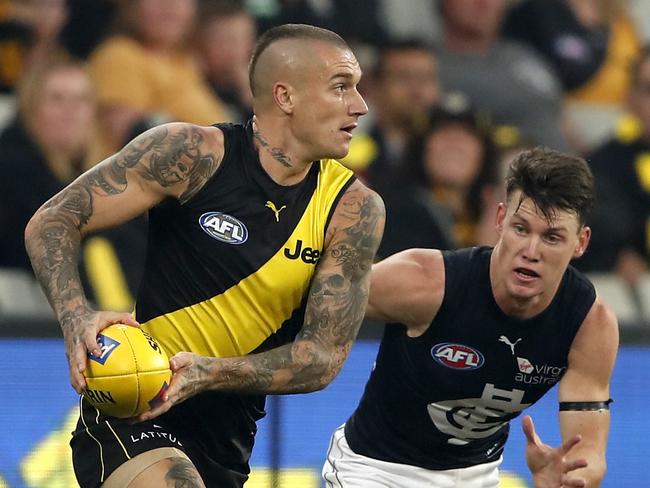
[223, 227]
[457, 356]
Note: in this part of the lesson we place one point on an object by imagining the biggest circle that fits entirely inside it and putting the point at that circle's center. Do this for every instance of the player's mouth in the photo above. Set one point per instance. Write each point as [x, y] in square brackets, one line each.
[526, 274]
[349, 128]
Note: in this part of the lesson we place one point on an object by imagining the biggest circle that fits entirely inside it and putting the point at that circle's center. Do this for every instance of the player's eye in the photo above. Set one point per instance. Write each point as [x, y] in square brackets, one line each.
[553, 238]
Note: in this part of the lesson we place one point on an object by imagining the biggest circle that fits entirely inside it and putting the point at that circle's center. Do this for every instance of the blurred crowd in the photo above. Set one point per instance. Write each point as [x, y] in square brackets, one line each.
[456, 88]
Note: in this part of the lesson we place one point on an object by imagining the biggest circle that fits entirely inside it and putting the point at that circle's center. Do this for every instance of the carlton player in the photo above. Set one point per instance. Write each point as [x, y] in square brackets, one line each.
[483, 334]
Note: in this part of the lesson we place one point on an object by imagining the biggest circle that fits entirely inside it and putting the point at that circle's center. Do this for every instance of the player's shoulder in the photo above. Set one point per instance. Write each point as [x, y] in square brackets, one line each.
[411, 285]
[595, 346]
[359, 202]
[599, 327]
[211, 133]
[359, 210]
[194, 139]
[197, 151]
[602, 314]
[430, 261]
[428, 265]
[358, 193]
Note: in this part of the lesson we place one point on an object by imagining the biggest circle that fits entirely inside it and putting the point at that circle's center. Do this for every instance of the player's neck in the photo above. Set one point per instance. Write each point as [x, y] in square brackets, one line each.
[282, 162]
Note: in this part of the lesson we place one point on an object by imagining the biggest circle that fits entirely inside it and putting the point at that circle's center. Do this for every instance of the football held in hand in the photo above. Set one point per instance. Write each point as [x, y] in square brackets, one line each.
[131, 374]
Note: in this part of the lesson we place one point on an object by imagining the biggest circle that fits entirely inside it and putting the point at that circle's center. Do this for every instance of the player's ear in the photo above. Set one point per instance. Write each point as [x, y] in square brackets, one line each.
[283, 96]
[501, 216]
[583, 241]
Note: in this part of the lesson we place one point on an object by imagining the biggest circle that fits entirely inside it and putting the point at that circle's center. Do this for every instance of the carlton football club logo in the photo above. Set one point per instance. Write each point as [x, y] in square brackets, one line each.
[457, 356]
[223, 227]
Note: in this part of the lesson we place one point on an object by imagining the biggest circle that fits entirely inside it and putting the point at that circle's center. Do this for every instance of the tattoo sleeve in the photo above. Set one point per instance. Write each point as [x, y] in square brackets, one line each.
[335, 309]
[162, 157]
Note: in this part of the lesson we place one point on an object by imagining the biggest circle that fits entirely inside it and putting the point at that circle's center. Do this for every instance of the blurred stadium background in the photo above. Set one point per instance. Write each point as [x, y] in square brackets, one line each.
[578, 86]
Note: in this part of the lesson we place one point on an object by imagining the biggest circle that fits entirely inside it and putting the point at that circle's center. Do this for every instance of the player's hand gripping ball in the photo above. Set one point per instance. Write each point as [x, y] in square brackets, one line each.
[131, 374]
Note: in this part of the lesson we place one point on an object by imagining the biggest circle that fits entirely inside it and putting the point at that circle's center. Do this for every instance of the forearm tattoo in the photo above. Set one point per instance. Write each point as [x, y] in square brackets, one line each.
[335, 309]
[168, 158]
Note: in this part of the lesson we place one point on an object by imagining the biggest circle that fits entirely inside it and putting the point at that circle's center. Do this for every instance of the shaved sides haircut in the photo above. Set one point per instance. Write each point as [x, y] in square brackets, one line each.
[289, 31]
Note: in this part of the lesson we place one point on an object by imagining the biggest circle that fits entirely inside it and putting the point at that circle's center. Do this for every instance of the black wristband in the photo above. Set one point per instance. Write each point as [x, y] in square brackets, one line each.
[585, 406]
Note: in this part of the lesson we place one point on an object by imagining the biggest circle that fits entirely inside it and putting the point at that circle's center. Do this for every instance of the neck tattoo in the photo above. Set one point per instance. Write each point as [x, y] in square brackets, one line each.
[276, 152]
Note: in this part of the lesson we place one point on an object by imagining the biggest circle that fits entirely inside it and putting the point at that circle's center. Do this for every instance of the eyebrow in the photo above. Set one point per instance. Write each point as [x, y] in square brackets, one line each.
[346, 76]
[557, 230]
[550, 229]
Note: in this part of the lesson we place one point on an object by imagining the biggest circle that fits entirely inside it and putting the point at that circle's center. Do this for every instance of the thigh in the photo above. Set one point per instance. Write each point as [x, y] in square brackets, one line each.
[158, 468]
[100, 445]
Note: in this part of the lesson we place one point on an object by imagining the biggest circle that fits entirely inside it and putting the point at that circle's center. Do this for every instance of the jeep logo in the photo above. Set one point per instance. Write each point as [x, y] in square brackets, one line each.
[307, 255]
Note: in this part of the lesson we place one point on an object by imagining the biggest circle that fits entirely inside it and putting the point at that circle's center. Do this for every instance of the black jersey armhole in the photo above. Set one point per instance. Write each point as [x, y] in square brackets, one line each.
[458, 265]
[335, 203]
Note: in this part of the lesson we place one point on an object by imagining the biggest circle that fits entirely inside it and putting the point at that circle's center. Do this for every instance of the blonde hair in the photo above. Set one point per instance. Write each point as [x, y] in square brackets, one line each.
[30, 93]
[32, 84]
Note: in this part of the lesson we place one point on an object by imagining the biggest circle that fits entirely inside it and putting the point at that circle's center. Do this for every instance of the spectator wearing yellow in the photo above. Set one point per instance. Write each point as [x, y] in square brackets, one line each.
[146, 71]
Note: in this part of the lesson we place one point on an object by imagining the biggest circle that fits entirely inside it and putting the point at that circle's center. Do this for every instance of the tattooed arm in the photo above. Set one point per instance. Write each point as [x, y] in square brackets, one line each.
[335, 308]
[173, 160]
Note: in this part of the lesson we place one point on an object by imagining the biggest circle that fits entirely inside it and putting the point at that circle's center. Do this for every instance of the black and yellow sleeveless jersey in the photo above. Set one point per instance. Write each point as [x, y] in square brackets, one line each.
[227, 273]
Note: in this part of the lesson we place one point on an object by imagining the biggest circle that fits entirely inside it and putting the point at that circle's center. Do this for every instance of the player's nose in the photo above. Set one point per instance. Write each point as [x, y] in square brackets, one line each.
[358, 106]
[532, 249]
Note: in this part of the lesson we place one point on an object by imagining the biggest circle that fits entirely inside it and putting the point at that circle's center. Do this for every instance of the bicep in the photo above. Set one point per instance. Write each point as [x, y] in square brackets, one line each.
[407, 287]
[339, 290]
[591, 358]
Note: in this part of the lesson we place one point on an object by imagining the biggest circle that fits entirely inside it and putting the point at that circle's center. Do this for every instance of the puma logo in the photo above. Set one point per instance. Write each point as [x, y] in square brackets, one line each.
[275, 210]
[509, 343]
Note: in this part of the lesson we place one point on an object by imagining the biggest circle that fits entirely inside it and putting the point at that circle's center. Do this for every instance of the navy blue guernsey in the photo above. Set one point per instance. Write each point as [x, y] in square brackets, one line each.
[443, 400]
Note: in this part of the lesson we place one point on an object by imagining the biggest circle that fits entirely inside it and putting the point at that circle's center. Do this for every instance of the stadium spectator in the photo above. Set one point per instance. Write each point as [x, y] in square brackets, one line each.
[437, 199]
[89, 23]
[502, 77]
[226, 38]
[146, 73]
[622, 169]
[44, 148]
[591, 46]
[29, 32]
[403, 89]
[47, 146]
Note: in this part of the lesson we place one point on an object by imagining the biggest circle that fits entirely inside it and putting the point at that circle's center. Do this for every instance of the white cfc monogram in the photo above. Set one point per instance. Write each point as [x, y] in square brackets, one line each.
[475, 418]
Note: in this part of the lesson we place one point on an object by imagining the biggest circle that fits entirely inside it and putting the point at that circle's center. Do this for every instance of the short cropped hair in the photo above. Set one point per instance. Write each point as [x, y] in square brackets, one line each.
[553, 181]
[290, 31]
